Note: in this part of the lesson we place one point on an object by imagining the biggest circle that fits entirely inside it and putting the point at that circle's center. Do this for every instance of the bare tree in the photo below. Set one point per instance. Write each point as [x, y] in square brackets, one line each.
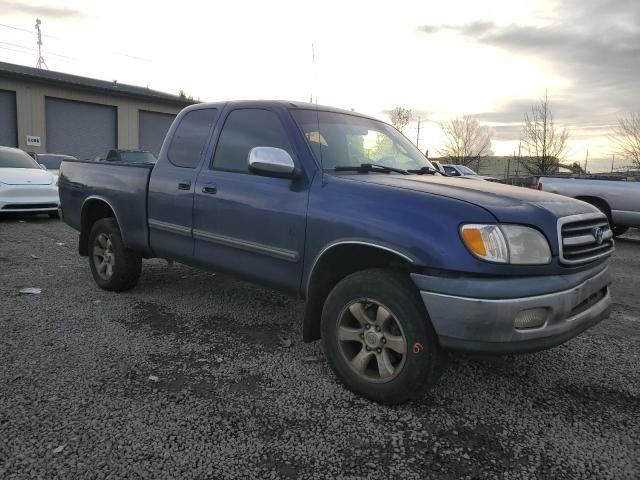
[466, 141]
[400, 117]
[627, 136]
[543, 144]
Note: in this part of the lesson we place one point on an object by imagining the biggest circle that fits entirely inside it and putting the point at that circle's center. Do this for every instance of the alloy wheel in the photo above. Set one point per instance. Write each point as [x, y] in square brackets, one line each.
[371, 340]
[104, 256]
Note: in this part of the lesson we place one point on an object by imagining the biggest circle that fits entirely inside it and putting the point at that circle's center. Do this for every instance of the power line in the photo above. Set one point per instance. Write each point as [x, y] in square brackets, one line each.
[17, 51]
[33, 50]
[46, 35]
[28, 31]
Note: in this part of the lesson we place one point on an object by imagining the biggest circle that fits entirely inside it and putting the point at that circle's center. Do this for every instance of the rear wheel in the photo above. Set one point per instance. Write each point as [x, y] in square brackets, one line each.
[378, 337]
[114, 267]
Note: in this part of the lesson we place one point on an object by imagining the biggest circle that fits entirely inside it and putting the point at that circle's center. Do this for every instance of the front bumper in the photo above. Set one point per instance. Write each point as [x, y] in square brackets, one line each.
[477, 314]
[29, 198]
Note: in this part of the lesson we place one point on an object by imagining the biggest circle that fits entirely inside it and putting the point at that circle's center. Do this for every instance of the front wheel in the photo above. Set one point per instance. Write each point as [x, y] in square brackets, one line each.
[378, 337]
[114, 267]
[619, 230]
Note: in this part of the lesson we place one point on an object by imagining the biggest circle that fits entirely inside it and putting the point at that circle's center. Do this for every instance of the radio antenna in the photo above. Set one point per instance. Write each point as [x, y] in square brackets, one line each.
[41, 63]
[315, 81]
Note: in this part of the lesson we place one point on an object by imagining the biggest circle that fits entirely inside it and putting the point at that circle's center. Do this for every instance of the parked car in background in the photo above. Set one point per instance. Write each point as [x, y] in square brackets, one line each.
[25, 187]
[438, 166]
[51, 161]
[131, 156]
[465, 172]
[397, 263]
[618, 199]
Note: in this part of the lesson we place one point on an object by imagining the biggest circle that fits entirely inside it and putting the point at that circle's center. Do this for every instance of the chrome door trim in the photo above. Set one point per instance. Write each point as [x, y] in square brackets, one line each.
[169, 227]
[281, 253]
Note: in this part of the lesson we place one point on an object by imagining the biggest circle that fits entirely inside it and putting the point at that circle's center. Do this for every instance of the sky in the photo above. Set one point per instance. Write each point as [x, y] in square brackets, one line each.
[490, 59]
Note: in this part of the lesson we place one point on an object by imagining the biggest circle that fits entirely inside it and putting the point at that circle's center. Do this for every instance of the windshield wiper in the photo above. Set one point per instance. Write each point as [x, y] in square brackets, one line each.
[370, 167]
[426, 171]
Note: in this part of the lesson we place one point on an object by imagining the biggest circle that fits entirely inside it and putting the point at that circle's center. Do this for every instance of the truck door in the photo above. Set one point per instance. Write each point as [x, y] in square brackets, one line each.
[172, 185]
[247, 224]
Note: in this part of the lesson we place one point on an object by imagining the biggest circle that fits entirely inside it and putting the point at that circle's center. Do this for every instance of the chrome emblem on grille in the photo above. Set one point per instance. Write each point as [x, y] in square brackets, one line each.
[598, 234]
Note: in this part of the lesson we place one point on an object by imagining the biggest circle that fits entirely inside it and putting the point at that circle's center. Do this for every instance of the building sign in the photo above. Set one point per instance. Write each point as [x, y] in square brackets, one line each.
[33, 140]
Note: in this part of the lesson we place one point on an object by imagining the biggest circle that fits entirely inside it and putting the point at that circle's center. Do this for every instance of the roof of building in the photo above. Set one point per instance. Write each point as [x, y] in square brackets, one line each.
[10, 70]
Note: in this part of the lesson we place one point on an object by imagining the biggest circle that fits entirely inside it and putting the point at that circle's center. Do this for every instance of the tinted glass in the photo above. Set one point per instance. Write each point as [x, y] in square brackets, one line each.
[191, 137]
[52, 162]
[451, 171]
[13, 158]
[339, 139]
[466, 170]
[243, 130]
[138, 157]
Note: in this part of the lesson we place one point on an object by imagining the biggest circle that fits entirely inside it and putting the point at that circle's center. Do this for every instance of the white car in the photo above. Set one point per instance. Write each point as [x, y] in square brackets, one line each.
[465, 172]
[25, 187]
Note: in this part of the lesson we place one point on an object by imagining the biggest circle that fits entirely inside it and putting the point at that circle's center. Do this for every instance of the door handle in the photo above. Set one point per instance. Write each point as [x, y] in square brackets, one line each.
[184, 185]
[210, 188]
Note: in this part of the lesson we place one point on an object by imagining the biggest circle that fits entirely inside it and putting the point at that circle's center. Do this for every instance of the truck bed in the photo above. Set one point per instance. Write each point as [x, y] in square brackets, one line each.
[121, 185]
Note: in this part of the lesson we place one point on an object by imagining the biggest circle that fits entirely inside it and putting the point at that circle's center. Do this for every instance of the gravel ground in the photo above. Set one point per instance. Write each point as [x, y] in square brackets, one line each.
[192, 375]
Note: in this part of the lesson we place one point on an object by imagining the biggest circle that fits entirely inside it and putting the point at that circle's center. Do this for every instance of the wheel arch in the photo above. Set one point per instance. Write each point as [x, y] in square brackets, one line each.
[94, 208]
[598, 202]
[333, 263]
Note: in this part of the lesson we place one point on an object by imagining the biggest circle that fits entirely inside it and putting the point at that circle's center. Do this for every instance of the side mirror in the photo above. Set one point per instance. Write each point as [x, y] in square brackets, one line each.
[42, 166]
[272, 161]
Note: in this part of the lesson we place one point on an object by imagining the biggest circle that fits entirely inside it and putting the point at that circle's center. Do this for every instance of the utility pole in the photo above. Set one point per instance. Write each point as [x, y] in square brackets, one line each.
[41, 63]
[613, 159]
[418, 136]
[586, 162]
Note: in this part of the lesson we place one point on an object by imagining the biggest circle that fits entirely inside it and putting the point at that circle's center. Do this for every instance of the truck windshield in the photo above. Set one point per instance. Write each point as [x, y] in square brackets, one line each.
[343, 140]
[14, 158]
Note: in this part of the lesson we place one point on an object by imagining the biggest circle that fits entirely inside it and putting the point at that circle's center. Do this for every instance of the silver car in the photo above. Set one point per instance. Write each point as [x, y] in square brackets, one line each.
[619, 200]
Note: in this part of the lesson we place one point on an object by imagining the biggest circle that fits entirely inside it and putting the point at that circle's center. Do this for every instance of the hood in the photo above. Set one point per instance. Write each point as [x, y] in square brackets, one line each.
[507, 203]
[25, 176]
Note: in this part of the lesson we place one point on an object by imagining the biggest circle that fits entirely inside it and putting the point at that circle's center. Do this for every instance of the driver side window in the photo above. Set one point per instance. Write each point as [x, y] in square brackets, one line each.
[243, 130]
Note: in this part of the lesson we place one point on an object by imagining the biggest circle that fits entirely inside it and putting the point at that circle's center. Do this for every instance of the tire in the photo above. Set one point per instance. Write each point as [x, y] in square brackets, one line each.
[384, 375]
[120, 270]
[54, 215]
[619, 230]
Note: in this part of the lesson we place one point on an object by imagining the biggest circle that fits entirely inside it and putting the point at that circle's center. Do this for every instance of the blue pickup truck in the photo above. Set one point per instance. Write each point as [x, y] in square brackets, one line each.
[397, 263]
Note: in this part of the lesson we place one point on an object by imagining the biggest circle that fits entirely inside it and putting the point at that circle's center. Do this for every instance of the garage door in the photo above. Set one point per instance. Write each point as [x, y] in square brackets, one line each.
[8, 128]
[84, 130]
[152, 127]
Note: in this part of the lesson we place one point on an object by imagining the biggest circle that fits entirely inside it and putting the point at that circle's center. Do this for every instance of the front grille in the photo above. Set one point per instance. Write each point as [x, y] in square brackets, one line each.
[29, 206]
[584, 238]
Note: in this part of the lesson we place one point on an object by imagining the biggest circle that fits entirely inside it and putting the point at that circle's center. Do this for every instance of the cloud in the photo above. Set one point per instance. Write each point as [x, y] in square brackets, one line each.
[47, 11]
[595, 45]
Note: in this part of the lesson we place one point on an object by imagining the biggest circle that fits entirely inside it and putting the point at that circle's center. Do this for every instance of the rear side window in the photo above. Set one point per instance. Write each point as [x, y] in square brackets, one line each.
[191, 136]
[243, 130]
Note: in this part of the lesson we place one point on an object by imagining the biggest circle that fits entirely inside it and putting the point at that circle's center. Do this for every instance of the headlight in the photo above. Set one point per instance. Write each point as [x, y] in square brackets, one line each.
[514, 244]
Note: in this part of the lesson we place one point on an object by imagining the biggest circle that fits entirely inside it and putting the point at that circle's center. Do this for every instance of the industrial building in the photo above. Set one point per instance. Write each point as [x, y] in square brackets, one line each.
[46, 111]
